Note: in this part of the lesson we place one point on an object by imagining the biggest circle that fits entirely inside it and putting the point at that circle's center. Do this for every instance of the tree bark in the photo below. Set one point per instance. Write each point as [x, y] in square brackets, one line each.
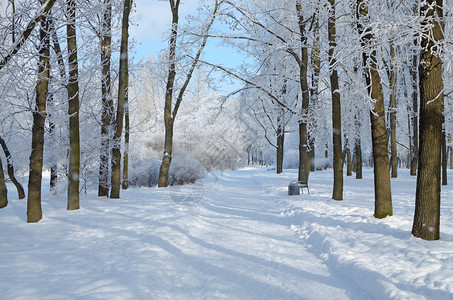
[427, 201]
[303, 128]
[122, 95]
[34, 211]
[336, 109]
[3, 190]
[348, 157]
[125, 183]
[444, 159]
[393, 149]
[107, 100]
[382, 187]
[415, 90]
[10, 167]
[280, 145]
[358, 155]
[73, 95]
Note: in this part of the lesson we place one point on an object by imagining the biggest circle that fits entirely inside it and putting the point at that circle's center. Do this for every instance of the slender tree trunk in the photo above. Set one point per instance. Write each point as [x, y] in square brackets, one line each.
[316, 66]
[73, 95]
[427, 201]
[62, 71]
[393, 149]
[347, 151]
[107, 100]
[122, 95]
[450, 149]
[415, 89]
[10, 167]
[3, 190]
[125, 183]
[168, 119]
[280, 144]
[382, 187]
[303, 128]
[336, 109]
[34, 211]
[358, 154]
[169, 112]
[444, 159]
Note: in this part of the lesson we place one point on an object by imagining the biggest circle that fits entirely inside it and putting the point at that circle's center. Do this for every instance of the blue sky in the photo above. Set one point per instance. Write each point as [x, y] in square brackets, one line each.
[152, 20]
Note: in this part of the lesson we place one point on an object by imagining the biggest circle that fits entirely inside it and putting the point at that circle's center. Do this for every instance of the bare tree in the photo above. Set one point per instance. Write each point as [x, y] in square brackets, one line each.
[171, 111]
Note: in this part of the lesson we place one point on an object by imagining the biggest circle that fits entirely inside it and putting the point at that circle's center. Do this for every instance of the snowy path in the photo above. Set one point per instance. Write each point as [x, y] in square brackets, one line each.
[236, 236]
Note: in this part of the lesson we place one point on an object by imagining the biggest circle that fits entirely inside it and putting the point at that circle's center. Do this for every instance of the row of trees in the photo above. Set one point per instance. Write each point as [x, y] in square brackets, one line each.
[59, 85]
[306, 59]
[382, 56]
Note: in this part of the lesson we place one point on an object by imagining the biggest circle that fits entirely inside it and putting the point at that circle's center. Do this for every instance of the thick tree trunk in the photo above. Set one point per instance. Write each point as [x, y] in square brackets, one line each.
[73, 95]
[393, 149]
[382, 187]
[427, 201]
[10, 167]
[3, 190]
[336, 109]
[122, 95]
[34, 211]
[316, 66]
[107, 100]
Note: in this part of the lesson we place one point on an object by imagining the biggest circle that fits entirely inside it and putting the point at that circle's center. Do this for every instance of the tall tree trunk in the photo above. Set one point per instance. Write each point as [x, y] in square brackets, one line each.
[168, 119]
[169, 112]
[34, 211]
[427, 201]
[125, 183]
[336, 109]
[382, 187]
[10, 167]
[122, 95]
[316, 66]
[3, 190]
[303, 128]
[415, 89]
[393, 149]
[73, 95]
[62, 70]
[107, 100]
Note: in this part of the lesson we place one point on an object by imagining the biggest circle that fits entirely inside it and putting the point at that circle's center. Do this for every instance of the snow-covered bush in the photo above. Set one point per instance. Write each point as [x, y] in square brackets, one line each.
[183, 170]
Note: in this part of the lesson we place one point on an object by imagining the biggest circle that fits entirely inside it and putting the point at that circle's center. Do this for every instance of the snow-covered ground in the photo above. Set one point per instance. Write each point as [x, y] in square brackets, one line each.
[237, 235]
